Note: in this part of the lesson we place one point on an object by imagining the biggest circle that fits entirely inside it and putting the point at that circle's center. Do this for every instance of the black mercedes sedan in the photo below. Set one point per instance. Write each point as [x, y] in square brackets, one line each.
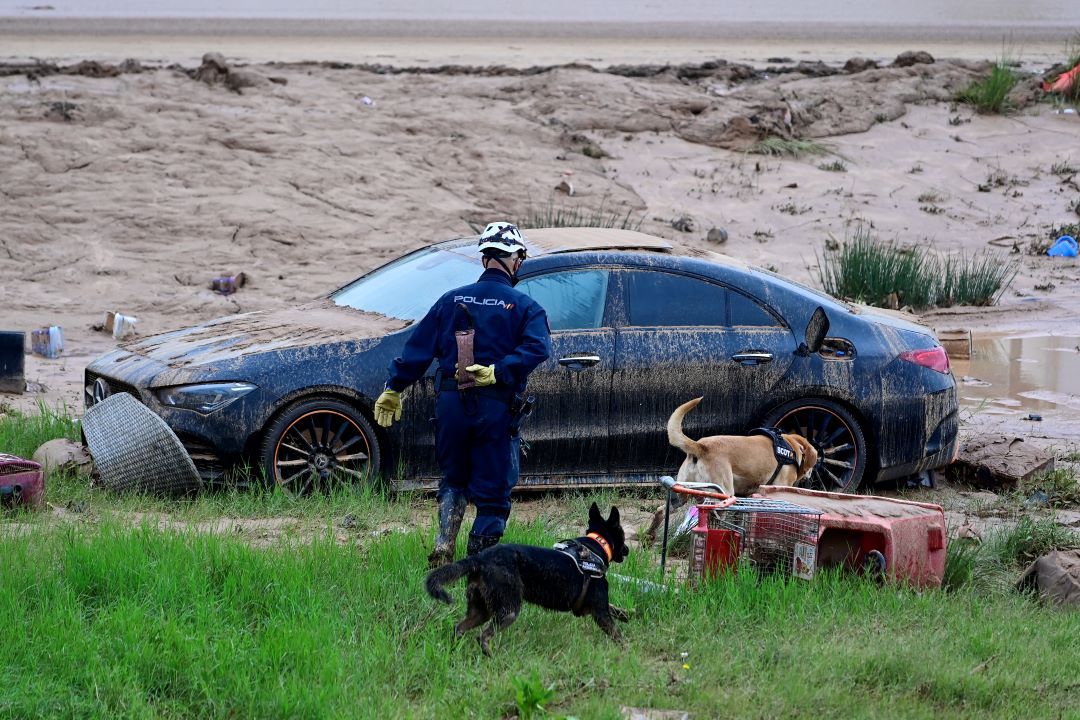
[637, 329]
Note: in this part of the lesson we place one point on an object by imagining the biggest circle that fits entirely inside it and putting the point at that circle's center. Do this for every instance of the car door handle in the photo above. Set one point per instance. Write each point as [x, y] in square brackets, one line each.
[752, 358]
[580, 362]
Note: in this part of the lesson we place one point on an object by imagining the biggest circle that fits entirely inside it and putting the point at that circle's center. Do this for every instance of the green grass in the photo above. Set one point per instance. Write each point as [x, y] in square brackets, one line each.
[22, 434]
[991, 94]
[867, 270]
[834, 166]
[783, 147]
[134, 622]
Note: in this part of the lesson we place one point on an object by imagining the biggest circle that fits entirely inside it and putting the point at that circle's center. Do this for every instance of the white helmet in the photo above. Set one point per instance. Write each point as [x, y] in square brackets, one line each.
[502, 237]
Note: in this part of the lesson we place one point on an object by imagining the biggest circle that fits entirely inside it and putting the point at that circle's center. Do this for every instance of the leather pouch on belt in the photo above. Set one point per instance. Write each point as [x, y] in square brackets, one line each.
[465, 339]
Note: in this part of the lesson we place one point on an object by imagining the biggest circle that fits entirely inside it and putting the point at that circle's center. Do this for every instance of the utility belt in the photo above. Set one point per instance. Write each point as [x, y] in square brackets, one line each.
[502, 394]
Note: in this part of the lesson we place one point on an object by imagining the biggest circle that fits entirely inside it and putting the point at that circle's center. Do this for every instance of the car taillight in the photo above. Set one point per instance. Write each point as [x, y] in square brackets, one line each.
[933, 358]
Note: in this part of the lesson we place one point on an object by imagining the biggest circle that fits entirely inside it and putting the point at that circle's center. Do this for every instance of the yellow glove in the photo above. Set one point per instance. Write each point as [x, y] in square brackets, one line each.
[485, 374]
[388, 408]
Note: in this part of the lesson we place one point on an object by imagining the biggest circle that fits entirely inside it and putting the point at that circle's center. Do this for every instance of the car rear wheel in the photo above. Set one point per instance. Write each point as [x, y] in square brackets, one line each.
[834, 433]
[317, 444]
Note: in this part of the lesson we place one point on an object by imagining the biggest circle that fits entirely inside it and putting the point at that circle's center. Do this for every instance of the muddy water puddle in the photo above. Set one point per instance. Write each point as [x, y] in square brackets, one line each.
[1021, 376]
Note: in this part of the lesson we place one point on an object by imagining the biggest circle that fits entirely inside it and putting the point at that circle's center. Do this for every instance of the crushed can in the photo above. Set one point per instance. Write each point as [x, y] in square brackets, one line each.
[47, 342]
[22, 483]
[12, 361]
[228, 284]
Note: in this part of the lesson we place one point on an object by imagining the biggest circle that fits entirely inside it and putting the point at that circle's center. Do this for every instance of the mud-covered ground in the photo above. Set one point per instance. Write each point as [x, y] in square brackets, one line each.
[129, 187]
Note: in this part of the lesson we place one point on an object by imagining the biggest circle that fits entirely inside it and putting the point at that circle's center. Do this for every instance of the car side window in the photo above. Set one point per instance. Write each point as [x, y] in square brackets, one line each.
[743, 311]
[573, 300]
[659, 299]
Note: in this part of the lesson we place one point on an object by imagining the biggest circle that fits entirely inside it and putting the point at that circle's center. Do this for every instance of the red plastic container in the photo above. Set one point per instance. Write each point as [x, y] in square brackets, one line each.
[22, 483]
[712, 551]
[863, 533]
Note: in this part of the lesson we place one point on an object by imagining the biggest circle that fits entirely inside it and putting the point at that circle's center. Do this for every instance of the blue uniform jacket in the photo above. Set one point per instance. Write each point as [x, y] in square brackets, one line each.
[511, 333]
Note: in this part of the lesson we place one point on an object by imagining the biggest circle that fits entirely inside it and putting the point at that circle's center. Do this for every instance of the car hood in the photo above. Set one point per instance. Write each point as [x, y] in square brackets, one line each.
[893, 319]
[232, 337]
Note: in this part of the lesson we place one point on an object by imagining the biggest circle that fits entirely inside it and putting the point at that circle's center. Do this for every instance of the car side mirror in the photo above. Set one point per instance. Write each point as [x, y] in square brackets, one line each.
[816, 330]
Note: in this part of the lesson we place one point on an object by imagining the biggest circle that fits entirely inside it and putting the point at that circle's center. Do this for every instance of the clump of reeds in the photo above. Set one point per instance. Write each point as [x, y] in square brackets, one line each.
[866, 270]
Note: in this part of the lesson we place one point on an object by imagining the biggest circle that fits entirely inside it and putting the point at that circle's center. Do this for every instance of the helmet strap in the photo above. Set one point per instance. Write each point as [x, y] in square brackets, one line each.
[511, 273]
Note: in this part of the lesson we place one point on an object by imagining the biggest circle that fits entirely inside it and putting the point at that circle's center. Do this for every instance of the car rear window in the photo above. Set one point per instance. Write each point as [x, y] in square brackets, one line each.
[408, 287]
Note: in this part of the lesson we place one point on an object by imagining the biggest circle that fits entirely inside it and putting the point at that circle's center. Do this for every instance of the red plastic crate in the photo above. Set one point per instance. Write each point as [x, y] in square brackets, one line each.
[22, 483]
[859, 532]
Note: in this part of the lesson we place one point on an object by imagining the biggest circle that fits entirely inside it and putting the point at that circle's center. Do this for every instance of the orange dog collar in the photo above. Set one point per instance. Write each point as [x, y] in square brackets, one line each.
[601, 542]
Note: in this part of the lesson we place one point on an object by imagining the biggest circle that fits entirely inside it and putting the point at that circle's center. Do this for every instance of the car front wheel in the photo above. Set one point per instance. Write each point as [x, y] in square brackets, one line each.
[319, 443]
[834, 433]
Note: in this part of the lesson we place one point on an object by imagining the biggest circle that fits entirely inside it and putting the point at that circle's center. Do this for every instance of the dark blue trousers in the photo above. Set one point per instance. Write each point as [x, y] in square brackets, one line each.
[475, 453]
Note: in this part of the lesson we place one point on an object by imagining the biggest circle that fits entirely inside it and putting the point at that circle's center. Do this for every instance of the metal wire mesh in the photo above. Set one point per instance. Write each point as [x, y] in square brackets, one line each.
[774, 535]
[134, 450]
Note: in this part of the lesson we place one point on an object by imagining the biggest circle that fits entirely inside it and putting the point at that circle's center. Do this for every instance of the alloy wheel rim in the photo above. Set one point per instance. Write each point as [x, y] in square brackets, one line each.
[319, 449]
[834, 440]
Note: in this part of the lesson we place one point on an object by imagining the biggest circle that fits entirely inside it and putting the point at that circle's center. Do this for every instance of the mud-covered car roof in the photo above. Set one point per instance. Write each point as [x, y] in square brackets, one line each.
[551, 241]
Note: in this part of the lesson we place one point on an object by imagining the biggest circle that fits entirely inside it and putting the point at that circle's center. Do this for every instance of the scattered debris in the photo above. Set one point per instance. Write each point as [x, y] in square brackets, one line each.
[1034, 417]
[859, 64]
[117, 324]
[1064, 246]
[228, 284]
[62, 110]
[1055, 577]
[913, 57]
[1064, 83]
[999, 460]
[973, 381]
[565, 186]
[22, 483]
[957, 343]
[594, 151]
[47, 342]
[683, 223]
[213, 70]
[717, 235]
[365, 100]
[63, 454]
[12, 361]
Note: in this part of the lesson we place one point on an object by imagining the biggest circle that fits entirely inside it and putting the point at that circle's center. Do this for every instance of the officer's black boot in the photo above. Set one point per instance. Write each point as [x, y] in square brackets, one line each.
[452, 506]
[479, 543]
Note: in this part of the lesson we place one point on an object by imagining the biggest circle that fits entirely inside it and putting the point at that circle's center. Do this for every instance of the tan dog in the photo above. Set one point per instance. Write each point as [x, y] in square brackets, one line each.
[737, 464]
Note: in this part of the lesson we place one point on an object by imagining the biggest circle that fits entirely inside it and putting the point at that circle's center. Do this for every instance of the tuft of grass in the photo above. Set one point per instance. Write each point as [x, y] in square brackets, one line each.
[22, 434]
[978, 280]
[866, 270]
[834, 166]
[1063, 169]
[1061, 487]
[530, 696]
[553, 216]
[784, 147]
[991, 94]
[1030, 539]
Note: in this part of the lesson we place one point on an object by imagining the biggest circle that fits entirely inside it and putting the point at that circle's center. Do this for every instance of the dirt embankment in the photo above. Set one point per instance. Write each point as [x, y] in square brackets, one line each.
[130, 187]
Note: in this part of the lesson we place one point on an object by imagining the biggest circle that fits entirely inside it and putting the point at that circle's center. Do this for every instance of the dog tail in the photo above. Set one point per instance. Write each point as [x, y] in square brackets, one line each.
[444, 576]
[675, 434]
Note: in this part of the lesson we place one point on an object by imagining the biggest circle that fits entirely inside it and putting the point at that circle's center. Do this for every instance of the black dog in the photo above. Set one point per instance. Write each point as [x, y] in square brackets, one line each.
[569, 578]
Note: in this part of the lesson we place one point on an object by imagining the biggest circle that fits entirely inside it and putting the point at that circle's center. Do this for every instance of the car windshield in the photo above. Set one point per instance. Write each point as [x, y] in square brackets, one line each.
[406, 288]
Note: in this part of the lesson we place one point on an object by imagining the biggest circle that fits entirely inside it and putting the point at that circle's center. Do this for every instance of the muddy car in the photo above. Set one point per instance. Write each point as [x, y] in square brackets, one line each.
[637, 329]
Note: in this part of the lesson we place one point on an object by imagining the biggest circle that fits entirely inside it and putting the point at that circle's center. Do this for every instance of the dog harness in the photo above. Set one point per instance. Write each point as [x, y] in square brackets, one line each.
[781, 449]
[588, 562]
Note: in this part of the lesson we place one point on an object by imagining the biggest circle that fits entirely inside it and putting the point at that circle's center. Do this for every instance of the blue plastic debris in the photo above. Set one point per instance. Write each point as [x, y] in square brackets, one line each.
[1064, 246]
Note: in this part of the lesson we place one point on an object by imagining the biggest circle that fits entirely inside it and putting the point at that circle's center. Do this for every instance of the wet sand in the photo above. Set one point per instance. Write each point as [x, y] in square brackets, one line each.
[153, 183]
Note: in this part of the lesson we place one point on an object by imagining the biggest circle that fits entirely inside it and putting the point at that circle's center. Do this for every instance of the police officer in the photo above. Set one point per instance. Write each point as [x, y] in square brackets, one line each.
[507, 333]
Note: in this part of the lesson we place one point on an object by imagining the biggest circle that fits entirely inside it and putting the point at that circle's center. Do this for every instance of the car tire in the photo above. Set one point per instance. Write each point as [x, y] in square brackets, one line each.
[834, 433]
[318, 443]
